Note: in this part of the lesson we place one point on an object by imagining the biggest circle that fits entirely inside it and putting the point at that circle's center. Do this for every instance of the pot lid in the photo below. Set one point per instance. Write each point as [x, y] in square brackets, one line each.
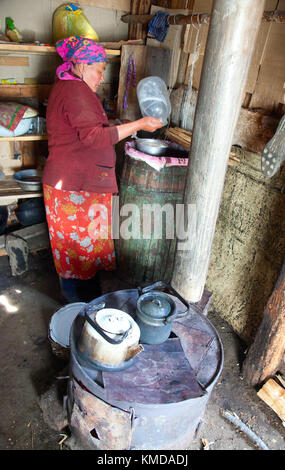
[156, 305]
[113, 321]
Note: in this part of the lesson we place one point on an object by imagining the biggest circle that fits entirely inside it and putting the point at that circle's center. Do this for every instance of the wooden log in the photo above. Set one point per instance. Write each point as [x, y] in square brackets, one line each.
[274, 396]
[268, 348]
[173, 19]
[198, 18]
[220, 96]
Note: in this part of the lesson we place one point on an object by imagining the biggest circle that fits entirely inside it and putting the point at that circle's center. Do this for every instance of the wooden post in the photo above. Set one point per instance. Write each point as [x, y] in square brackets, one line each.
[231, 38]
[268, 348]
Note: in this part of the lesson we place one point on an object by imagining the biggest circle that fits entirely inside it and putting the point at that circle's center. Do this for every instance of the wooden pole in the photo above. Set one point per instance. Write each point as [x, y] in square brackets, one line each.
[267, 350]
[198, 18]
[231, 38]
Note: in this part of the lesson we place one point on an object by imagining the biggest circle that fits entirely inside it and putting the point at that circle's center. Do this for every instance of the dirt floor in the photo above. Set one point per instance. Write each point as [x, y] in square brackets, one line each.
[28, 370]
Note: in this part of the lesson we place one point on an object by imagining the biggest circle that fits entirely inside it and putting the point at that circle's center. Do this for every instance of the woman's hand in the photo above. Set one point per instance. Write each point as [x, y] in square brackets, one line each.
[149, 124]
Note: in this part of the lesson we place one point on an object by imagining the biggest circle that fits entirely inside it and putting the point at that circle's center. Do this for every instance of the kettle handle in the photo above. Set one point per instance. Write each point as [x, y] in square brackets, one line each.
[101, 331]
[173, 291]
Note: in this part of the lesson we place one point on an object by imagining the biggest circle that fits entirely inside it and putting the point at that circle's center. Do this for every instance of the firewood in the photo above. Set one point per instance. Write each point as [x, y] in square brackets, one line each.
[183, 138]
[274, 396]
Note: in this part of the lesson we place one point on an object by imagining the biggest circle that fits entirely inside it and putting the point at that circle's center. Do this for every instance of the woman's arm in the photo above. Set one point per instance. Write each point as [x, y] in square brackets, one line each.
[149, 124]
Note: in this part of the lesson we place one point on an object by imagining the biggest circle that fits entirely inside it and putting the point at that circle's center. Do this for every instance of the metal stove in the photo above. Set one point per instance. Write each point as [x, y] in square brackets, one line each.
[157, 403]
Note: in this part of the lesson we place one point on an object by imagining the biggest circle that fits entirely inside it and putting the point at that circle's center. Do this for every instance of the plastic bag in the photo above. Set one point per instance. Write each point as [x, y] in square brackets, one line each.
[69, 20]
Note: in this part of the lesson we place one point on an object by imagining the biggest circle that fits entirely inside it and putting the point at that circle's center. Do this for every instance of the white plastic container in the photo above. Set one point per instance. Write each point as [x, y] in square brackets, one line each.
[153, 98]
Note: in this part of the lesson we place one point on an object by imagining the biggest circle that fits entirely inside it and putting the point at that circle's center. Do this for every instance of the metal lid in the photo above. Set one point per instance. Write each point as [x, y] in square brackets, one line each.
[155, 304]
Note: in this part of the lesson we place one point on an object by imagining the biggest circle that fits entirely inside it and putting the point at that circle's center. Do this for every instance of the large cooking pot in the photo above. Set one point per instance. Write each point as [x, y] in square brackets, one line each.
[109, 336]
[155, 312]
[153, 147]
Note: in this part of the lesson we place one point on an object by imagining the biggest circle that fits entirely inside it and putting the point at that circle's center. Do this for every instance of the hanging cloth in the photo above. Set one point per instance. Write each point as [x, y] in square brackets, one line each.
[158, 26]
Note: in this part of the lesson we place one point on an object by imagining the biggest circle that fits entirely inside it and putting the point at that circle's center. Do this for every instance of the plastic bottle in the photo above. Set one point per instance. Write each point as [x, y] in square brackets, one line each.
[153, 98]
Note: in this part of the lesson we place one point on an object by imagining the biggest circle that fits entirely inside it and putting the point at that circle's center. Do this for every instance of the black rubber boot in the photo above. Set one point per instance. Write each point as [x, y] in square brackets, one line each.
[69, 289]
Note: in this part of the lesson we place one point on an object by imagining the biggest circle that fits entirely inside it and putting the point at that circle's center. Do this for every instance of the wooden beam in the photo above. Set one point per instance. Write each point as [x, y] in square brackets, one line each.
[198, 18]
[267, 350]
[25, 91]
[219, 101]
[22, 48]
[172, 19]
[30, 137]
[36, 49]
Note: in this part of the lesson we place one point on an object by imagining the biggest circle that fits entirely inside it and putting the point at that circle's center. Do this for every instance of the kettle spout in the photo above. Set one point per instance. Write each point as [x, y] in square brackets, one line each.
[133, 351]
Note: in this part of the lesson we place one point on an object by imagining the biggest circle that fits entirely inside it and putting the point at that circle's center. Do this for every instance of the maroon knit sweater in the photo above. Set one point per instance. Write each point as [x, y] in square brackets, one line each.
[80, 141]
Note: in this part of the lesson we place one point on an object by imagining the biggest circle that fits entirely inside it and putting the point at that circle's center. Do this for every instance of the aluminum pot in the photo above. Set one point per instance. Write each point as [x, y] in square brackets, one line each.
[153, 147]
[155, 312]
[109, 336]
[29, 180]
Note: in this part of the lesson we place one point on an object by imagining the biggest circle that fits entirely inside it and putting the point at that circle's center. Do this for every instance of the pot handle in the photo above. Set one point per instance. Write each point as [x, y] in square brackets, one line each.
[94, 308]
[173, 291]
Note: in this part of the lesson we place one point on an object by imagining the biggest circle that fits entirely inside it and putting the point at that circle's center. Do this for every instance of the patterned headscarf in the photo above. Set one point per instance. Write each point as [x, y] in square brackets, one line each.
[76, 49]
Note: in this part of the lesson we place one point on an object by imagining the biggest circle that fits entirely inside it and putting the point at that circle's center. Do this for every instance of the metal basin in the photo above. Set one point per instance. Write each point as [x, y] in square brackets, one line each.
[29, 180]
[152, 146]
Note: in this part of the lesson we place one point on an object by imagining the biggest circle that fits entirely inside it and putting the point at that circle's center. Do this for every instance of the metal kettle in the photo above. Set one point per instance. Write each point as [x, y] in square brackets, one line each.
[109, 336]
[155, 312]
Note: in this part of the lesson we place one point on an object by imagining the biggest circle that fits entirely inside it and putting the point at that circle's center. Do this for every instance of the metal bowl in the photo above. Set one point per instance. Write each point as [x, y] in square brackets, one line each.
[29, 180]
[152, 146]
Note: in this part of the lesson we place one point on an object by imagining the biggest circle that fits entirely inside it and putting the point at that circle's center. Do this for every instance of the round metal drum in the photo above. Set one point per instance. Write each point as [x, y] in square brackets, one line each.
[159, 402]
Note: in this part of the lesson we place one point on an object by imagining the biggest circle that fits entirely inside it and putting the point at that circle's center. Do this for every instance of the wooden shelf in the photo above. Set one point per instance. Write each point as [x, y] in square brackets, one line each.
[23, 90]
[20, 48]
[24, 137]
[11, 191]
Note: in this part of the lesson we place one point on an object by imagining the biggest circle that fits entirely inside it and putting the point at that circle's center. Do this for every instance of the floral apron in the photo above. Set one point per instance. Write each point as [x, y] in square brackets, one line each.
[80, 232]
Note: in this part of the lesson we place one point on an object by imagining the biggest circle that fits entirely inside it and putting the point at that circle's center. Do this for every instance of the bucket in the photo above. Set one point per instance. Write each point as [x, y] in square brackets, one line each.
[144, 260]
[59, 329]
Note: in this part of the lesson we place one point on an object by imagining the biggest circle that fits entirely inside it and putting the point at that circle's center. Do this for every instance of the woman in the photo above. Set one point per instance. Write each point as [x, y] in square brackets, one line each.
[79, 175]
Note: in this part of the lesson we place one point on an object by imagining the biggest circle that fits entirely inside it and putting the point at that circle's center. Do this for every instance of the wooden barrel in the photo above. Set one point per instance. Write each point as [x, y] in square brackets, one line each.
[143, 260]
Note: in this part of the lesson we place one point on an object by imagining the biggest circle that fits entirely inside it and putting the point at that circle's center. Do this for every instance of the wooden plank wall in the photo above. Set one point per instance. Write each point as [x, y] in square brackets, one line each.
[265, 84]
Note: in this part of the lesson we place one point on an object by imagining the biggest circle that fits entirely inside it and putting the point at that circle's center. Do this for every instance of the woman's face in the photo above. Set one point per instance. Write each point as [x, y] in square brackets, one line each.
[94, 75]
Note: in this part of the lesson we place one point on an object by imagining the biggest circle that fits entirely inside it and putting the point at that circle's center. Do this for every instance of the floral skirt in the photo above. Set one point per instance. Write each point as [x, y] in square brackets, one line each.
[80, 232]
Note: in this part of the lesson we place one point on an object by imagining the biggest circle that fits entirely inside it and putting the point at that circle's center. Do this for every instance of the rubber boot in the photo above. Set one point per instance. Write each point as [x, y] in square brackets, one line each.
[69, 289]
